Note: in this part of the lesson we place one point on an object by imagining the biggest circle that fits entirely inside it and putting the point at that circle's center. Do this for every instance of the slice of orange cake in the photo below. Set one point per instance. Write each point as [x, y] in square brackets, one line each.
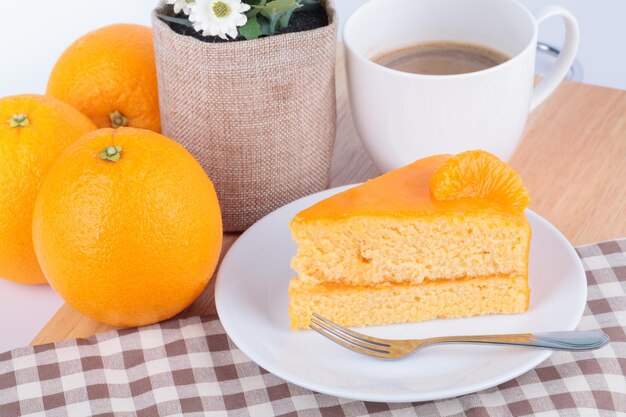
[443, 237]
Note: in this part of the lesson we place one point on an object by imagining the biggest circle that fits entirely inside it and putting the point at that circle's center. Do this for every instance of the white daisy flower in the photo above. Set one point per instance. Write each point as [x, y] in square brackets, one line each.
[184, 5]
[218, 17]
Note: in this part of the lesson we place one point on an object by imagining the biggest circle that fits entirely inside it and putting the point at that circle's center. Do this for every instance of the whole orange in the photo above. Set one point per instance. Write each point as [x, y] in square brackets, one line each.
[34, 130]
[127, 227]
[110, 75]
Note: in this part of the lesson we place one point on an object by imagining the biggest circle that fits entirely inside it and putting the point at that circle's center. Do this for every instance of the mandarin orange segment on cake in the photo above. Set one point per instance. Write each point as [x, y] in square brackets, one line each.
[443, 237]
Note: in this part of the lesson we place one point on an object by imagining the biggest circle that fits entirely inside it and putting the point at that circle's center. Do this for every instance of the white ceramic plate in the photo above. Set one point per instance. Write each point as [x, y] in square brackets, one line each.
[251, 297]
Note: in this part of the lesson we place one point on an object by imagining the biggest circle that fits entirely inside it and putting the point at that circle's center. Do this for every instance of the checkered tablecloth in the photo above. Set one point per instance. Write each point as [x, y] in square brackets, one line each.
[190, 367]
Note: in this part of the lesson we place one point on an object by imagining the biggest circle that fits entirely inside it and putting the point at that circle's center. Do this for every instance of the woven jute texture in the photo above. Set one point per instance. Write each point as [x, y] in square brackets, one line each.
[258, 115]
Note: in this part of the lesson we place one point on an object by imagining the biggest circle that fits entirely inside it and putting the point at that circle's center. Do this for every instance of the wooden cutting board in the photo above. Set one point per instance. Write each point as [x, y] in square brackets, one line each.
[572, 159]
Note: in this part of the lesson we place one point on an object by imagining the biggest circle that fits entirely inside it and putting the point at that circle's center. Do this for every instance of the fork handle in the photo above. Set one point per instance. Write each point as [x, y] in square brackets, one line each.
[569, 340]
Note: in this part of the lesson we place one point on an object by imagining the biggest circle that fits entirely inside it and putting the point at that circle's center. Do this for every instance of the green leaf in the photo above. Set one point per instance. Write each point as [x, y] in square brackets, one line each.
[275, 10]
[284, 20]
[272, 20]
[255, 7]
[280, 6]
[308, 5]
[265, 25]
[177, 20]
[251, 30]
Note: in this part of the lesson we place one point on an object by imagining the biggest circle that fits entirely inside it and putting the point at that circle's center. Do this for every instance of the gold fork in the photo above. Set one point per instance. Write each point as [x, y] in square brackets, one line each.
[393, 349]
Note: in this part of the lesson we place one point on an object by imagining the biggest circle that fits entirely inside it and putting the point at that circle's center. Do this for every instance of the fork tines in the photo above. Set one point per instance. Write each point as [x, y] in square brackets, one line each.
[367, 345]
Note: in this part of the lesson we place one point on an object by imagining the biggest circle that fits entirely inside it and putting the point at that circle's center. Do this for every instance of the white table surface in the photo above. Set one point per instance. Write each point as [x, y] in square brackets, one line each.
[24, 309]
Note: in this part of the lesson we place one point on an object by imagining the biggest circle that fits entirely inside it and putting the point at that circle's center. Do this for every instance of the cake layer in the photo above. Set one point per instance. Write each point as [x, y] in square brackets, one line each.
[390, 229]
[370, 250]
[401, 303]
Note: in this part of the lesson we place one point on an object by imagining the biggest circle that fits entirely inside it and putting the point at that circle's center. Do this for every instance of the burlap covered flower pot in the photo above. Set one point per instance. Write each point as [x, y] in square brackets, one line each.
[259, 115]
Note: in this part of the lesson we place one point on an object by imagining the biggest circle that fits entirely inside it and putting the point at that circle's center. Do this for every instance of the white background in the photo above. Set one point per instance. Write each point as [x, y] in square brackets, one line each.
[33, 34]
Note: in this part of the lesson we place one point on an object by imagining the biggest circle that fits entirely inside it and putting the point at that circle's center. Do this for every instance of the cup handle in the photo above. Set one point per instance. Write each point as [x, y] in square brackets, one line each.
[566, 58]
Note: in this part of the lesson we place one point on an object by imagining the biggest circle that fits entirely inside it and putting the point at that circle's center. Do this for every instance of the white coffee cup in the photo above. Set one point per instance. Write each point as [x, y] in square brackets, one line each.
[402, 116]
